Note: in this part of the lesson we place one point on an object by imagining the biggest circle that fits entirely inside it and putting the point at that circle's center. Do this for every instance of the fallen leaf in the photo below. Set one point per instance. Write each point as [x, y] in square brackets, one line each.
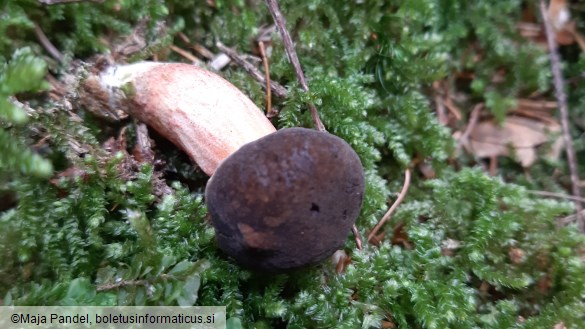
[558, 13]
[565, 38]
[560, 18]
[518, 136]
[70, 173]
[571, 29]
[427, 170]
[378, 238]
[400, 237]
[544, 284]
[516, 255]
[449, 246]
[341, 261]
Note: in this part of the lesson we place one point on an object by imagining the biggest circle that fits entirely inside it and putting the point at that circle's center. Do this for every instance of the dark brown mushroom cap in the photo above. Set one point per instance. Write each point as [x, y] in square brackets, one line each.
[286, 200]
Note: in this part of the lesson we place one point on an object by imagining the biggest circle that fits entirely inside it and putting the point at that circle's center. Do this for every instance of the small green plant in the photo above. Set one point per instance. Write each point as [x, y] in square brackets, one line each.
[23, 73]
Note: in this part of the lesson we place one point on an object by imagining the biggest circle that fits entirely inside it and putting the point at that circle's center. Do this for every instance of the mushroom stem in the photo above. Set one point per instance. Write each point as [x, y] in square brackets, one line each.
[197, 110]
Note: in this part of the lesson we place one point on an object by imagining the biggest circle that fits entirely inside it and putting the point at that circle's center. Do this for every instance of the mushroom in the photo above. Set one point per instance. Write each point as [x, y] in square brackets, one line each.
[287, 199]
[278, 200]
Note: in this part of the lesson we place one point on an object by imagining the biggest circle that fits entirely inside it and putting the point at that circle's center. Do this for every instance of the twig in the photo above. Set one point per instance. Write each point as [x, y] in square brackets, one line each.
[143, 153]
[292, 56]
[54, 2]
[123, 283]
[183, 37]
[493, 168]
[267, 76]
[277, 88]
[287, 40]
[563, 108]
[47, 44]
[394, 206]
[464, 139]
[535, 115]
[143, 144]
[557, 195]
[570, 219]
[358, 239]
[441, 113]
[537, 105]
[448, 102]
[204, 52]
[185, 54]
[439, 92]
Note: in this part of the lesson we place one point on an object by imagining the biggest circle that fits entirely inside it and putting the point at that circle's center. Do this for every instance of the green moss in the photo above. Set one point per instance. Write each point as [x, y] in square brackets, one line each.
[23, 73]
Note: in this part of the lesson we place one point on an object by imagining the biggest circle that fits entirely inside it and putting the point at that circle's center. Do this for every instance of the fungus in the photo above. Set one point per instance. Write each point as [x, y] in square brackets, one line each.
[278, 200]
[287, 199]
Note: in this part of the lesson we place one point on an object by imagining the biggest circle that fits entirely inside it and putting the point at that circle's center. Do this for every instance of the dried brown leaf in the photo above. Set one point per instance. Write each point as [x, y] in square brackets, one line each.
[571, 28]
[516, 255]
[70, 173]
[517, 135]
[400, 237]
[559, 14]
[341, 261]
[449, 246]
[544, 284]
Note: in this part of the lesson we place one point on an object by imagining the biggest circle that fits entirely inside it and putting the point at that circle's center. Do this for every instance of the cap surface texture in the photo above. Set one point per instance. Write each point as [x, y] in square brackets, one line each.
[287, 200]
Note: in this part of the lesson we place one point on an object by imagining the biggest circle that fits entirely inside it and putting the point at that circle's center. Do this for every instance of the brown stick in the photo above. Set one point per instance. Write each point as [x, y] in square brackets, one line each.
[358, 239]
[123, 283]
[493, 168]
[394, 206]
[441, 112]
[204, 52]
[185, 54]
[277, 88]
[48, 44]
[54, 2]
[143, 143]
[563, 108]
[556, 195]
[292, 57]
[267, 76]
[464, 139]
[570, 219]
